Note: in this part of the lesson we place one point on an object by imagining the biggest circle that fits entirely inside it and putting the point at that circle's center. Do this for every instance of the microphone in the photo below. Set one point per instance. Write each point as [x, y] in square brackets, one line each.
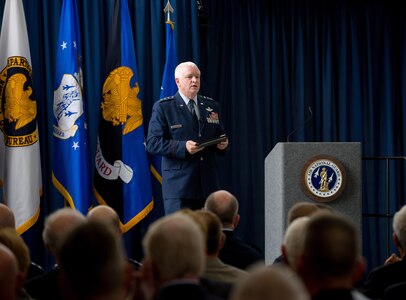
[301, 125]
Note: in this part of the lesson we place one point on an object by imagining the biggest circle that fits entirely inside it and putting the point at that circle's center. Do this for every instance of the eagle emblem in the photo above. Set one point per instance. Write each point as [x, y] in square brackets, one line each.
[19, 107]
[120, 103]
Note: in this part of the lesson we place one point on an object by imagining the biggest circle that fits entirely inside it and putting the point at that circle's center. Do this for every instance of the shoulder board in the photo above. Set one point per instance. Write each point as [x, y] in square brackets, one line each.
[206, 98]
[166, 99]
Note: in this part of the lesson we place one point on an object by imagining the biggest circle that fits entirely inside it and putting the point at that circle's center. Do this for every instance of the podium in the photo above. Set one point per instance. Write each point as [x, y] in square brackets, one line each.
[293, 173]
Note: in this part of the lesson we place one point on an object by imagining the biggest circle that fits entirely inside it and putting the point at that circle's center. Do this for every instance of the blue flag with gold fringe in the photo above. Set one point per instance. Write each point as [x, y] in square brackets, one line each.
[168, 88]
[71, 171]
[122, 178]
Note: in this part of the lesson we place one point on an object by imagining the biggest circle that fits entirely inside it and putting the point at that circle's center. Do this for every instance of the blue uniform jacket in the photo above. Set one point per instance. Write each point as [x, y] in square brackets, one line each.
[171, 125]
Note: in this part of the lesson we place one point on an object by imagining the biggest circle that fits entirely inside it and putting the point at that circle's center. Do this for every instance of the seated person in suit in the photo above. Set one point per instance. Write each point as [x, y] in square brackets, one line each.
[215, 269]
[298, 210]
[293, 241]
[395, 292]
[391, 273]
[235, 251]
[7, 220]
[108, 215]
[10, 239]
[270, 283]
[174, 260]
[93, 264]
[9, 277]
[57, 226]
[331, 262]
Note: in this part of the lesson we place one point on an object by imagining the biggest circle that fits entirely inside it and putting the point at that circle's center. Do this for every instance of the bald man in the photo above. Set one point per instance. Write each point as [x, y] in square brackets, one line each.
[235, 251]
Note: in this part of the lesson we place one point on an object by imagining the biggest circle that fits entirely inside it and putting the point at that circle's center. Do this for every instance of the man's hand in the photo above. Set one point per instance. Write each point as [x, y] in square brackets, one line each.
[192, 147]
[222, 145]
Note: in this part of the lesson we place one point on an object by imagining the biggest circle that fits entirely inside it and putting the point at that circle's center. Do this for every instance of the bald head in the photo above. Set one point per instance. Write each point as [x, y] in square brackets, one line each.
[105, 214]
[270, 283]
[7, 219]
[301, 209]
[58, 225]
[225, 206]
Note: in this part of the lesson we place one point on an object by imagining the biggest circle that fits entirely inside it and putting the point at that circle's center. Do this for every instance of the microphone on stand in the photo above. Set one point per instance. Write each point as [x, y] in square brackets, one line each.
[301, 125]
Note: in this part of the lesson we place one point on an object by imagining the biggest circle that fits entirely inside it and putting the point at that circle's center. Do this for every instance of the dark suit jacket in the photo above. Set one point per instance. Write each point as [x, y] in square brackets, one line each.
[382, 277]
[238, 253]
[45, 287]
[396, 292]
[171, 125]
[184, 291]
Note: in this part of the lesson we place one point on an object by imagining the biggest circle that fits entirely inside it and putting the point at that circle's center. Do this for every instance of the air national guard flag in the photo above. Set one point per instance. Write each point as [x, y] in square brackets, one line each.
[20, 165]
[71, 174]
[122, 178]
[168, 88]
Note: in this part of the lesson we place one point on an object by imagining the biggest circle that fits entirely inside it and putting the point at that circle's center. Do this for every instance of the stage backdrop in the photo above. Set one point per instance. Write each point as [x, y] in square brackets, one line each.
[266, 62]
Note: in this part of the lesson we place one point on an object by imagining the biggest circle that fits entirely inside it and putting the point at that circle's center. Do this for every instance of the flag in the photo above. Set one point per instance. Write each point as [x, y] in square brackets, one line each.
[122, 178]
[168, 88]
[71, 171]
[20, 164]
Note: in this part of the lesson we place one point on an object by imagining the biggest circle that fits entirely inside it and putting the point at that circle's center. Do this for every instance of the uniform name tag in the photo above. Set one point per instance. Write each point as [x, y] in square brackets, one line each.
[176, 126]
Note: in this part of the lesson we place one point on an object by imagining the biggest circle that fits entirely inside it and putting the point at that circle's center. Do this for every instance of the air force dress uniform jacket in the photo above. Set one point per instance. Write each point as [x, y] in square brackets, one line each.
[171, 126]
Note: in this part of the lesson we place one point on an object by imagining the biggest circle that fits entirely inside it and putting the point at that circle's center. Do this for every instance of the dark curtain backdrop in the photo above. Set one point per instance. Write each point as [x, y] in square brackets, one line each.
[266, 62]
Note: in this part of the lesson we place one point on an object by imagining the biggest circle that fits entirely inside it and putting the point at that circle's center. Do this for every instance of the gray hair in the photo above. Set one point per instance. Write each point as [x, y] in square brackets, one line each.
[176, 245]
[399, 226]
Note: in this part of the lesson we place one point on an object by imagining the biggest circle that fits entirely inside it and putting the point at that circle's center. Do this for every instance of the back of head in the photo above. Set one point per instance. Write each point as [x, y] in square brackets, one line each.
[8, 274]
[175, 245]
[270, 283]
[105, 213]
[399, 226]
[93, 261]
[224, 205]
[331, 247]
[211, 226]
[301, 209]
[10, 238]
[58, 225]
[293, 241]
[7, 219]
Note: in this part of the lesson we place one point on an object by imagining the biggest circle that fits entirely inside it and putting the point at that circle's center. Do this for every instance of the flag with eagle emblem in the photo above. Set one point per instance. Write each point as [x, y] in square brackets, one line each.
[20, 164]
[122, 178]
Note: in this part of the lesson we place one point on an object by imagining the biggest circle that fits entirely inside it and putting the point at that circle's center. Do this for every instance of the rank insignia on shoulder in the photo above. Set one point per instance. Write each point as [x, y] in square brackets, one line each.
[166, 99]
[207, 98]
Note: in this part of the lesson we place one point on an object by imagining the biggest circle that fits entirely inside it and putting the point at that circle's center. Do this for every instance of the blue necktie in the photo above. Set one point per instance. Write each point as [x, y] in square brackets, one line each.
[191, 106]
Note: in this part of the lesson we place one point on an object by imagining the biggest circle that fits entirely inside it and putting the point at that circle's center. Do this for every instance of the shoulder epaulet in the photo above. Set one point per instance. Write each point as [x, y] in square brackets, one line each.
[166, 99]
[207, 98]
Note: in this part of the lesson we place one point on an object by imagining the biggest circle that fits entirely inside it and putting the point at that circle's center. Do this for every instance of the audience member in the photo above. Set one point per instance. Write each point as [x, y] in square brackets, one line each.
[7, 219]
[395, 292]
[215, 269]
[270, 283]
[93, 264]
[298, 210]
[57, 226]
[9, 277]
[293, 241]
[382, 277]
[331, 262]
[174, 260]
[235, 251]
[10, 239]
[108, 215]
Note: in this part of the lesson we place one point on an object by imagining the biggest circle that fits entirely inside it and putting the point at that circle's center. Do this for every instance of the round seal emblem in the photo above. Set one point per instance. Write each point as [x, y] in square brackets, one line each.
[323, 178]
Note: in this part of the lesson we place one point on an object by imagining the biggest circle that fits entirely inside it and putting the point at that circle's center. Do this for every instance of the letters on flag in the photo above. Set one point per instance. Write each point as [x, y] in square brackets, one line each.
[71, 171]
[20, 165]
[122, 179]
